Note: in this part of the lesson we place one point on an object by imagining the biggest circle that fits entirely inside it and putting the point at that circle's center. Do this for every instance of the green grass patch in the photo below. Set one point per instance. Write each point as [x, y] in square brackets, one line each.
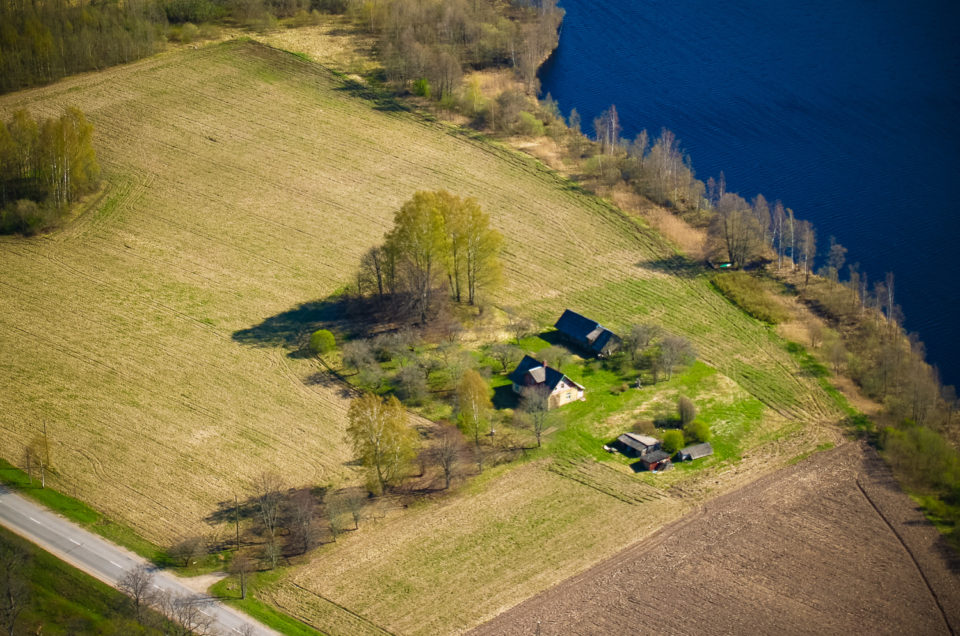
[228, 590]
[750, 295]
[64, 600]
[80, 513]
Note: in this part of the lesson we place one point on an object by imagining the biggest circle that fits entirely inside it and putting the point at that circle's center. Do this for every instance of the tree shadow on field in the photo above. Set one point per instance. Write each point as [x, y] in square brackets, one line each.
[382, 100]
[675, 265]
[342, 313]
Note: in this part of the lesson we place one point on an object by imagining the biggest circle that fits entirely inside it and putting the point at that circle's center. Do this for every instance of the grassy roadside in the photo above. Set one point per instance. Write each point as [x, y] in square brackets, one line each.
[228, 591]
[64, 600]
[81, 514]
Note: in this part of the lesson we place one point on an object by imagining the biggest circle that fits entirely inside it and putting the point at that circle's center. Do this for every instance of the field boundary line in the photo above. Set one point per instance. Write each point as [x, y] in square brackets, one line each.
[341, 607]
[916, 564]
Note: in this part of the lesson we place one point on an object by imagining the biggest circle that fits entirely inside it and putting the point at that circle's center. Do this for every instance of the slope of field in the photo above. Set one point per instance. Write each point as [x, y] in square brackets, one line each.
[830, 545]
[240, 182]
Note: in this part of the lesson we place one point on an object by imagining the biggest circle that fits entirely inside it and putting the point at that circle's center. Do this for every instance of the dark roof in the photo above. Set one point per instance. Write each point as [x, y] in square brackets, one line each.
[584, 331]
[638, 442]
[697, 451]
[538, 372]
[655, 457]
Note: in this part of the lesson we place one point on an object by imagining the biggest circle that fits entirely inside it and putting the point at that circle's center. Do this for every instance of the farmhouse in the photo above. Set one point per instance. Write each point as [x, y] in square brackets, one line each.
[656, 460]
[531, 372]
[587, 334]
[695, 452]
[637, 445]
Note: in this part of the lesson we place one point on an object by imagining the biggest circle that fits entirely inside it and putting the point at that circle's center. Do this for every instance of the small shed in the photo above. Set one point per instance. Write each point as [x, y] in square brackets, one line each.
[695, 452]
[637, 445]
[587, 334]
[655, 461]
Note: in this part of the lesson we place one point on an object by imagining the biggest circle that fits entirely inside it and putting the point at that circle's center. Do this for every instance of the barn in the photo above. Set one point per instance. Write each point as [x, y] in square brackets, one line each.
[587, 334]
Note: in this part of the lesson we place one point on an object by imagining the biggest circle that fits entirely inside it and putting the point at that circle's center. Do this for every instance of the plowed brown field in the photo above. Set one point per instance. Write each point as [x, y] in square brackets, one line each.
[827, 546]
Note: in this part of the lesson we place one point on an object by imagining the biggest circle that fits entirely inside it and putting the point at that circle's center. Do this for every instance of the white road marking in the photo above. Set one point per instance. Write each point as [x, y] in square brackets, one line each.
[117, 564]
[74, 541]
[34, 520]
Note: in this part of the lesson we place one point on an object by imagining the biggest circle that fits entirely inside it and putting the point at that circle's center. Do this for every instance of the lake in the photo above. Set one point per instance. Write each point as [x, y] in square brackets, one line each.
[847, 111]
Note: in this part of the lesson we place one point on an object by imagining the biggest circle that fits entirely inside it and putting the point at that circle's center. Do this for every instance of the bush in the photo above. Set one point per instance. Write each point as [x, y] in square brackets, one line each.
[322, 341]
[530, 125]
[421, 87]
[672, 441]
[697, 431]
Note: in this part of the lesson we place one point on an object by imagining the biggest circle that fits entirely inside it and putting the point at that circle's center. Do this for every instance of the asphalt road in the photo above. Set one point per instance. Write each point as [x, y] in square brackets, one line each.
[108, 562]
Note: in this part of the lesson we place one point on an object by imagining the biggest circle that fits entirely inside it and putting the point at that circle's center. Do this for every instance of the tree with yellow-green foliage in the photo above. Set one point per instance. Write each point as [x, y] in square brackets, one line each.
[381, 438]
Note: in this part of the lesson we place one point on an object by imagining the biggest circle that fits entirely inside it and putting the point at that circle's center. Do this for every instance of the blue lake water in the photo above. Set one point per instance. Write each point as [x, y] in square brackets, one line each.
[846, 110]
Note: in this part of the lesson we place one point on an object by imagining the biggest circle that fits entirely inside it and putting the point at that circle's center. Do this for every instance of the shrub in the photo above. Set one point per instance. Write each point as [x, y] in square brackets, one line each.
[672, 441]
[421, 87]
[697, 431]
[322, 341]
[529, 125]
[411, 386]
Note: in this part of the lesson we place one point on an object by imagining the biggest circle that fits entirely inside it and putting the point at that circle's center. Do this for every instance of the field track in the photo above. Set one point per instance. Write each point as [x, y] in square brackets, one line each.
[830, 545]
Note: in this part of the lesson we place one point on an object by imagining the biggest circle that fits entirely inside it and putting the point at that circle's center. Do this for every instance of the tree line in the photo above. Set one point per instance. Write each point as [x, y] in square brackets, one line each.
[426, 44]
[44, 166]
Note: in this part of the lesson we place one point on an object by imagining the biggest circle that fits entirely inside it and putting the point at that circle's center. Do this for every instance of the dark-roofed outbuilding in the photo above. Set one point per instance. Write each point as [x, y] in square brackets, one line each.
[695, 452]
[587, 334]
[656, 460]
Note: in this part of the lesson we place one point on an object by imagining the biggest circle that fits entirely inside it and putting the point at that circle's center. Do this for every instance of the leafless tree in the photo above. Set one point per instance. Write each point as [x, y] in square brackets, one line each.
[241, 565]
[186, 614]
[639, 339]
[137, 583]
[447, 451]
[520, 327]
[187, 548]
[268, 496]
[506, 354]
[675, 350]
[534, 407]
[300, 510]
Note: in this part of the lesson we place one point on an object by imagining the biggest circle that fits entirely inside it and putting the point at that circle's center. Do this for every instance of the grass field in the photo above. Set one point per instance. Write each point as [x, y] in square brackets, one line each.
[241, 182]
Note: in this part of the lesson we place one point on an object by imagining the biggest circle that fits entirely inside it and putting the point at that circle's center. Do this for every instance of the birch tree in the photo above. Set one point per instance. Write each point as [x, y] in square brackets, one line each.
[381, 438]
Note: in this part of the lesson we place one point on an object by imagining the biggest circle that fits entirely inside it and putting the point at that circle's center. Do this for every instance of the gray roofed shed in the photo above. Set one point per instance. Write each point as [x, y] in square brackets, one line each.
[695, 452]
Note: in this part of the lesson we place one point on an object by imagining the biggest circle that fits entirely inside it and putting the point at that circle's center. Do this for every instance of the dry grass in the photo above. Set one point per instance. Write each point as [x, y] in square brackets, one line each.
[242, 181]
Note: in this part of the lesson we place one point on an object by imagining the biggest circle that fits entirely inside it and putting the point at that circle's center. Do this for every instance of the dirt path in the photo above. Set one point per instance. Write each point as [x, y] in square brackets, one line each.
[829, 545]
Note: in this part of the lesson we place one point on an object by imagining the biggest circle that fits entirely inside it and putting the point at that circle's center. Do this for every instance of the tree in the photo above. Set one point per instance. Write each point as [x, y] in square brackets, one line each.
[675, 350]
[734, 230]
[269, 499]
[520, 327]
[686, 409]
[836, 257]
[808, 247]
[418, 240]
[137, 583]
[506, 354]
[473, 406]
[241, 565]
[300, 510]
[535, 406]
[14, 591]
[381, 438]
[185, 613]
[639, 339]
[188, 548]
[447, 451]
[321, 342]
[672, 441]
[554, 356]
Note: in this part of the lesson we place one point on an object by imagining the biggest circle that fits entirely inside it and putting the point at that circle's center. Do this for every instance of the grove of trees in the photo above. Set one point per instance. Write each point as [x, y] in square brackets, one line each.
[44, 166]
[438, 240]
